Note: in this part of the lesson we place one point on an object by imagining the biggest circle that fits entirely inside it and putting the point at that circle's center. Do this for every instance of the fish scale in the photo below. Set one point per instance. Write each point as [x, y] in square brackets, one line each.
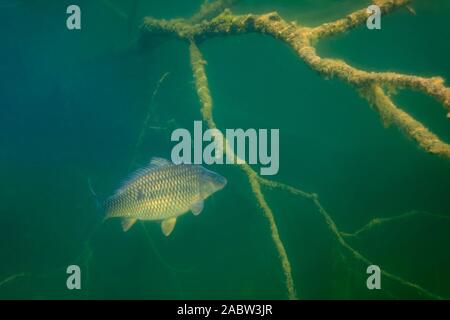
[163, 191]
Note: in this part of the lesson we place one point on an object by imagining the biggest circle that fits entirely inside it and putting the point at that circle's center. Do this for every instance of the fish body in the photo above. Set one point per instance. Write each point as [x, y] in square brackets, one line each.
[162, 192]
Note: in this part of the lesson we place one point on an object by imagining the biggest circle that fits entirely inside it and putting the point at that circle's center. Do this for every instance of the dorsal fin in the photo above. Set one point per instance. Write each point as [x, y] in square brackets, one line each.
[159, 162]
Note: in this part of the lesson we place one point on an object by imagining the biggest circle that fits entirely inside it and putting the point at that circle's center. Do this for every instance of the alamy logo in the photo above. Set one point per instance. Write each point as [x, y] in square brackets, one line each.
[374, 20]
[73, 21]
[74, 278]
[236, 147]
[374, 280]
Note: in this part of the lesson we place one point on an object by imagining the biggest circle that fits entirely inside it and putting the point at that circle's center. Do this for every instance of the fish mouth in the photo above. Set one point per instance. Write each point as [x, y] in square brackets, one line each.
[219, 181]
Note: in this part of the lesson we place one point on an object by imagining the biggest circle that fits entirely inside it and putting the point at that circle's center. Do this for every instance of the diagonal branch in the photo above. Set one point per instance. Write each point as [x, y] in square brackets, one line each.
[301, 39]
[201, 84]
[340, 237]
[376, 222]
[355, 19]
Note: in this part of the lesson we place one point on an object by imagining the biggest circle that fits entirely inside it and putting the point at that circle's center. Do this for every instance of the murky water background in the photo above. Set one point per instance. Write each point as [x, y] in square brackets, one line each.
[72, 105]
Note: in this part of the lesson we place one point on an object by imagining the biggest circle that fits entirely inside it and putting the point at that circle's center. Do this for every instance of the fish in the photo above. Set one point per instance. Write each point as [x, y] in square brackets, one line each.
[163, 191]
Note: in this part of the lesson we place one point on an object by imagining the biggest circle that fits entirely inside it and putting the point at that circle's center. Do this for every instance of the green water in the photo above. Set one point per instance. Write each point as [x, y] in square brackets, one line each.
[72, 105]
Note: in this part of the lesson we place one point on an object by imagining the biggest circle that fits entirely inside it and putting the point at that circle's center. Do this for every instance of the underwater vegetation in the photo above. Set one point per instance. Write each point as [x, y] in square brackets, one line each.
[215, 19]
[374, 86]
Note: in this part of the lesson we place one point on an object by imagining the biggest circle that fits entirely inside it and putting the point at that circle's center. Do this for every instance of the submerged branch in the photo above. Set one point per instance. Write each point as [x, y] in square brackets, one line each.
[300, 39]
[376, 222]
[340, 237]
[356, 18]
[13, 278]
[390, 113]
[209, 10]
[148, 117]
[201, 84]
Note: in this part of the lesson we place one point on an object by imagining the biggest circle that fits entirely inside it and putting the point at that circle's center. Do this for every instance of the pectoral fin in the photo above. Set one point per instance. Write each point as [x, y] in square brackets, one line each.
[168, 225]
[127, 224]
[197, 207]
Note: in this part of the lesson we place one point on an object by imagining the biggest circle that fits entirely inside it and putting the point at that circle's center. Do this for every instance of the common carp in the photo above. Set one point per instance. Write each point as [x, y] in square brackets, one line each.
[163, 191]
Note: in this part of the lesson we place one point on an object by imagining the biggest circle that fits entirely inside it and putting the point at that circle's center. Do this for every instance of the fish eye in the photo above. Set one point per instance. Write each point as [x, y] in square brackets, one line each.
[222, 180]
[215, 178]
